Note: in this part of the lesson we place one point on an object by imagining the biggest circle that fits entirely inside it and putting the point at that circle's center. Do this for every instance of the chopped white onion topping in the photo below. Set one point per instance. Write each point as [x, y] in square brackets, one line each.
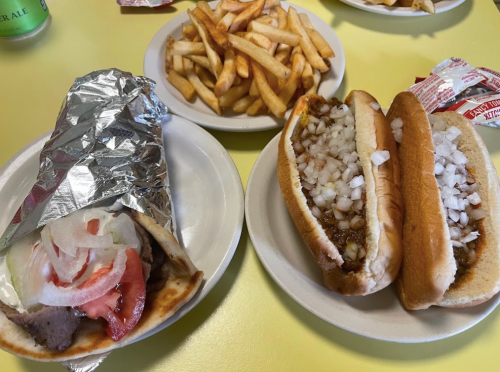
[380, 157]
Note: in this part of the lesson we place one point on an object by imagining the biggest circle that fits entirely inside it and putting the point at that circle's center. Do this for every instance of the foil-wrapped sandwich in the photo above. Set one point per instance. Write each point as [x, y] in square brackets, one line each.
[90, 261]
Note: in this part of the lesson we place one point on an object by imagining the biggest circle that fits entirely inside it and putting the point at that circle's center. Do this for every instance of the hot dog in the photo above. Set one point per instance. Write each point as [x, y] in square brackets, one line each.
[451, 195]
[338, 171]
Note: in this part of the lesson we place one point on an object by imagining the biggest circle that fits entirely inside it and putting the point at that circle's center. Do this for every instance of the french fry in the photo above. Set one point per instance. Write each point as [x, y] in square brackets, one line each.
[259, 55]
[387, 2]
[282, 18]
[226, 21]
[428, 6]
[273, 13]
[169, 59]
[188, 47]
[178, 65]
[213, 57]
[205, 76]
[202, 5]
[218, 36]
[219, 13]
[242, 62]
[305, 21]
[181, 84]
[254, 91]
[200, 60]
[317, 79]
[267, 20]
[242, 20]
[320, 43]
[189, 32]
[235, 93]
[296, 49]
[307, 76]
[271, 4]
[267, 94]
[205, 94]
[237, 80]
[256, 108]
[416, 4]
[197, 39]
[235, 6]
[282, 57]
[293, 81]
[272, 80]
[275, 34]
[305, 43]
[241, 105]
[227, 75]
[259, 40]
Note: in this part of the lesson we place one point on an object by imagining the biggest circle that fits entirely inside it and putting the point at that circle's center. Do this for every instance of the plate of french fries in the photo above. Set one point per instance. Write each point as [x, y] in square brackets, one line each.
[408, 8]
[241, 65]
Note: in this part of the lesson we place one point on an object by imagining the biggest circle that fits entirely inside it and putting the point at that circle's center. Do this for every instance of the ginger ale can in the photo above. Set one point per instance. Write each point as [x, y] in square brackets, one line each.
[19, 18]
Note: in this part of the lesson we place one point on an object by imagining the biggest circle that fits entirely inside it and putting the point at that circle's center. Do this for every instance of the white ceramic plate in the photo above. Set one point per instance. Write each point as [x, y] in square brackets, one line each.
[441, 6]
[289, 262]
[199, 112]
[206, 191]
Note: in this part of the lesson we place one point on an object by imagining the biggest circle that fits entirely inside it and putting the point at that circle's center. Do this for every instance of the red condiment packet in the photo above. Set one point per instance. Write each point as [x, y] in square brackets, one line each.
[484, 110]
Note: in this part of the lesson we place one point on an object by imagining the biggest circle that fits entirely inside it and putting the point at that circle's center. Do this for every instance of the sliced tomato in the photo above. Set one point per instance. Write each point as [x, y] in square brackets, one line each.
[122, 306]
[54, 278]
[93, 226]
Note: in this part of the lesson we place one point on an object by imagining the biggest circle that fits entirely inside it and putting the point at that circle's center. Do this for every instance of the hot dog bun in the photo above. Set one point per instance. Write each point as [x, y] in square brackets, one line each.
[384, 206]
[429, 265]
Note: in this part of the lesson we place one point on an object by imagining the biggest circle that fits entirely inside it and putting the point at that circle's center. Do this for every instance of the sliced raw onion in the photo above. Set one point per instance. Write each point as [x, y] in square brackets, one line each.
[36, 272]
[71, 296]
[122, 230]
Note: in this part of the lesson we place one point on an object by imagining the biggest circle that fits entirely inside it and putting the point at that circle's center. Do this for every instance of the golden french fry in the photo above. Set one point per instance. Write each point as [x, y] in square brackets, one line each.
[242, 62]
[320, 43]
[235, 6]
[181, 84]
[266, 19]
[271, 4]
[189, 32]
[178, 65]
[205, 94]
[297, 49]
[305, 21]
[218, 36]
[272, 80]
[428, 6]
[219, 13]
[282, 57]
[188, 47]
[226, 21]
[267, 94]
[237, 80]
[305, 43]
[259, 55]
[295, 78]
[256, 108]
[241, 105]
[200, 60]
[282, 18]
[416, 4]
[213, 57]
[259, 40]
[169, 59]
[386, 2]
[273, 13]
[317, 78]
[197, 39]
[254, 91]
[235, 93]
[242, 20]
[275, 34]
[307, 76]
[205, 76]
[202, 5]
[227, 75]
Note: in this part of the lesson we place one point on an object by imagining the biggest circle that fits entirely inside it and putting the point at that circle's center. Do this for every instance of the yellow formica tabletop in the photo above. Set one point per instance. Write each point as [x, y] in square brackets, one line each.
[247, 323]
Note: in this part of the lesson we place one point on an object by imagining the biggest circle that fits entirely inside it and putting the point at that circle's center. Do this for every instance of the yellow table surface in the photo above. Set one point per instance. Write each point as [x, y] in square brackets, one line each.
[247, 323]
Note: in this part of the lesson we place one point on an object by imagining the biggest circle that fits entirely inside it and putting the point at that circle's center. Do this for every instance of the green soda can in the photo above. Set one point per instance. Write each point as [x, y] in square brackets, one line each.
[19, 18]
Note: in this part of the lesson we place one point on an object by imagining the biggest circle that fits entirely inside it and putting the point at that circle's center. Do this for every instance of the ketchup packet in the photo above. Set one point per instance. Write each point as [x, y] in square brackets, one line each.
[455, 85]
[147, 3]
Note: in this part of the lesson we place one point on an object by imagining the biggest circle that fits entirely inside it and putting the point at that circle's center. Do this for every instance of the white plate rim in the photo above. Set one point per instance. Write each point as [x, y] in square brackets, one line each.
[235, 210]
[253, 217]
[239, 123]
[400, 11]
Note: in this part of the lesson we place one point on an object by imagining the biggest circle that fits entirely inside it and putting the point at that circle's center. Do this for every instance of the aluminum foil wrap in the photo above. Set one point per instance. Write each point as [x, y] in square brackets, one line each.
[146, 3]
[106, 146]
